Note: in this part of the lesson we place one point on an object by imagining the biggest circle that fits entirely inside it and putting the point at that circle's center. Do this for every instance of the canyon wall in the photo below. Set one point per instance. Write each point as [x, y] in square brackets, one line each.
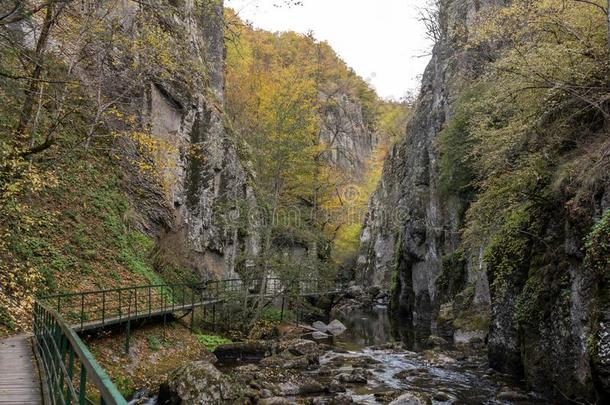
[545, 318]
[194, 214]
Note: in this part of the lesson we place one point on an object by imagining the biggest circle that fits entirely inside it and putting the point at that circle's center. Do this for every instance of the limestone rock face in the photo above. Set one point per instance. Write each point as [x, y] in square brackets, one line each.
[194, 214]
[345, 131]
[408, 228]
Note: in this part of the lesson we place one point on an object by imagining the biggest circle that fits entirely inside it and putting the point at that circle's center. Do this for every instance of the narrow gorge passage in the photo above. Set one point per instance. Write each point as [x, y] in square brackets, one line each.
[310, 202]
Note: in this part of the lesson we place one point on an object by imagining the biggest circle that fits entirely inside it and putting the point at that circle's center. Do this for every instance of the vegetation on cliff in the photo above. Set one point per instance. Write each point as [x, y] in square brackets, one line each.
[71, 136]
[86, 182]
[527, 153]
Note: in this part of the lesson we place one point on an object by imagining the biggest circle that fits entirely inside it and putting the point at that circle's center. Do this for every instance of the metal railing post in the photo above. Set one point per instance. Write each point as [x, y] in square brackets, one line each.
[82, 308]
[103, 308]
[149, 301]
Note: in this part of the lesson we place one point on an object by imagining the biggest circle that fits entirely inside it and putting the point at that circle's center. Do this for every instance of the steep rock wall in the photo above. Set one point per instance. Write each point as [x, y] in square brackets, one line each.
[345, 133]
[408, 229]
[204, 182]
[546, 319]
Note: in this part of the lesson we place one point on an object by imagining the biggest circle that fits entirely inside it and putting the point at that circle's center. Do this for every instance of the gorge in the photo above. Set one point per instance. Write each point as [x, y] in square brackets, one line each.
[169, 142]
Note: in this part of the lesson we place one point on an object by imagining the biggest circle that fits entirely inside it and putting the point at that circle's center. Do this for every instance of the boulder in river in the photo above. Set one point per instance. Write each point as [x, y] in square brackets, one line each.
[199, 383]
[317, 335]
[354, 292]
[276, 401]
[356, 376]
[437, 358]
[507, 394]
[436, 341]
[336, 327]
[287, 360]
[412, 398]
[320, 326]
[299, 347]
[304, 386]
[293, 354]
[243, 351]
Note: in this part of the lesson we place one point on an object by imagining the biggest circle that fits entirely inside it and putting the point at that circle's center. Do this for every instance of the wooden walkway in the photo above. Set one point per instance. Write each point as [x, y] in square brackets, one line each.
[19, 382]
[136, 316]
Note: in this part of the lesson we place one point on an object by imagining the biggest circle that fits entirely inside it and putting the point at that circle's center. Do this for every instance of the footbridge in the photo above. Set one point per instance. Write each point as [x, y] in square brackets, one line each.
[69, 371]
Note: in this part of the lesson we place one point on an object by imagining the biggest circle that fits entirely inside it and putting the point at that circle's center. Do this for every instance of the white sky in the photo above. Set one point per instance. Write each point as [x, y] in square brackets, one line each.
[382, 40]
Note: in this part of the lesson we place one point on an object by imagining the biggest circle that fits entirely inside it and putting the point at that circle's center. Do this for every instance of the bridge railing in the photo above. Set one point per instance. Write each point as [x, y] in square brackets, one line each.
[94, 309]
[83, 310]
[72, 374]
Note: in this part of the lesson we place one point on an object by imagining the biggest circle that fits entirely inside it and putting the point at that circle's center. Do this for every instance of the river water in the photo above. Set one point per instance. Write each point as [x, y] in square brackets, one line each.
[445, 376]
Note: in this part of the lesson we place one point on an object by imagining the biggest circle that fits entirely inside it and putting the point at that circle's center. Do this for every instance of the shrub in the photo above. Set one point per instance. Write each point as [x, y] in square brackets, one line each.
[211, 342]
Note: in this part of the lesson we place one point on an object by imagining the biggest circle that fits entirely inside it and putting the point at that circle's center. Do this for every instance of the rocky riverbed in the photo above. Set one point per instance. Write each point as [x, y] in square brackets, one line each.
[359, 366]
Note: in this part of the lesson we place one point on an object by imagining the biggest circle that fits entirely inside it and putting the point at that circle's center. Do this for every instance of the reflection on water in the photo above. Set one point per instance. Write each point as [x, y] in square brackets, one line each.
[376, 327]
[368, 328]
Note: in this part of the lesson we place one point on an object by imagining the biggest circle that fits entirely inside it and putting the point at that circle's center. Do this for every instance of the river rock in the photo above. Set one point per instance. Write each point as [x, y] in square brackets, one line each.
[412, 398]
[247, 373]
[436, 341]
[320, 326]
[354, 292]
[199, 383]
[287, 360]
[364, 362]
[356, 376]
[243, 351]
[401, 375]
[319, 335]
[266, 393]
[299, 347]
[336, 386]
[304, 386]
[441, 396]
[336, 327]
[437, 357]
[507, 394]
[343, 399]
[386, 396]
[276, 401]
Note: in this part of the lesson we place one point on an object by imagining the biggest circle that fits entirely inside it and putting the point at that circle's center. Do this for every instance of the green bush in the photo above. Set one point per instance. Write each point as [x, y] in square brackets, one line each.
[211, 342]
[154, 343]
[597, 246]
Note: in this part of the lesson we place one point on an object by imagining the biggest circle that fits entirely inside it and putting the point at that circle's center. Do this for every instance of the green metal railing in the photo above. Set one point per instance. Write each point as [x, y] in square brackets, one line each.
[94, 309]
[72, 374]
[74, 377]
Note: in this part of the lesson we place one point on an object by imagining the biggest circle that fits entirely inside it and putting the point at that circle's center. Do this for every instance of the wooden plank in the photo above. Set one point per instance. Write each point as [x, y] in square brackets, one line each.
[18, 376]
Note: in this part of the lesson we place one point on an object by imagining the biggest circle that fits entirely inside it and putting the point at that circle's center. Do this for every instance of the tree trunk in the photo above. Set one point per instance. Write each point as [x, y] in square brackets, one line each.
[32, 91]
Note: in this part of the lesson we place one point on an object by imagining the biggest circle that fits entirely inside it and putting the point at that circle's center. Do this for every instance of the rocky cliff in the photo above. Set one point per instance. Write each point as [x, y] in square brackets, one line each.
[349, 139]
[192, 211]
[539, 307]
[409, 229]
